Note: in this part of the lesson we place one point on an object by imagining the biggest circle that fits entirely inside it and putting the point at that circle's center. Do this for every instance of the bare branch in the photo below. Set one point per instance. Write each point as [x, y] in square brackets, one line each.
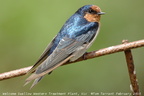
[132, 72]
[14, 73]
[89, 55]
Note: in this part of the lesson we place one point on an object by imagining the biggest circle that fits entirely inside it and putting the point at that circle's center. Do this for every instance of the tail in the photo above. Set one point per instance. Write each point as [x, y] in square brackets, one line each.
[38, 78]
[39, 73]
[35, 82]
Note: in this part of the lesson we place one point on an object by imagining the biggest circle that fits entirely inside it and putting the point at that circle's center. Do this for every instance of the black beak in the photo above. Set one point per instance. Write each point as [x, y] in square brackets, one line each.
[101, 13]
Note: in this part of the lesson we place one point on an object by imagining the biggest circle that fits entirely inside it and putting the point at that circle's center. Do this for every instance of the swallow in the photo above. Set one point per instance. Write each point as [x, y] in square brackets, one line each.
[75, 37]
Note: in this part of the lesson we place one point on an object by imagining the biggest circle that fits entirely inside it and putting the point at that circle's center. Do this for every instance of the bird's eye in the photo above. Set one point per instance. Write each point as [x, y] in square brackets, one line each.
[92, 11]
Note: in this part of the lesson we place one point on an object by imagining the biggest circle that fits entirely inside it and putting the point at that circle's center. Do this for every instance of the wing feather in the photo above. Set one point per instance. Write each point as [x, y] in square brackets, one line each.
[62, 53]
[42, 57]
[59, 56]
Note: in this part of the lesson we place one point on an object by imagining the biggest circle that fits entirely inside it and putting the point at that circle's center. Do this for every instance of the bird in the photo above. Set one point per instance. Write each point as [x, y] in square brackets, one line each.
[74, 38]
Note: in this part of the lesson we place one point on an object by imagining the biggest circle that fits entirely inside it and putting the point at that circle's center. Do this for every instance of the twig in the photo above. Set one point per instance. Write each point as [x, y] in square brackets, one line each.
[89, 55]
[132, 72]
[14, 73]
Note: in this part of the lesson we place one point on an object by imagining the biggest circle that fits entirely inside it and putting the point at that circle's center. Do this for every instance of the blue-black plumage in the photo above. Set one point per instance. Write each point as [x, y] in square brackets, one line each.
[74, 38]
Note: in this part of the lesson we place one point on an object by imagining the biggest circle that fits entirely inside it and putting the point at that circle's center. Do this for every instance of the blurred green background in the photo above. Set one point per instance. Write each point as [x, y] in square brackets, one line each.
[27, 26]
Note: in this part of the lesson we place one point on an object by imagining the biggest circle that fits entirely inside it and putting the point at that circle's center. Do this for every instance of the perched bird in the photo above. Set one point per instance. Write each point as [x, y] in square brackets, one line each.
[72, 41]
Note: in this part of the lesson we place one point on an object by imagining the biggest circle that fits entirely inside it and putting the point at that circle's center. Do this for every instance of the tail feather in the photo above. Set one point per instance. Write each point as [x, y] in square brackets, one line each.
[32, 77]
[27, 82]
[38, 77]
[36, 81]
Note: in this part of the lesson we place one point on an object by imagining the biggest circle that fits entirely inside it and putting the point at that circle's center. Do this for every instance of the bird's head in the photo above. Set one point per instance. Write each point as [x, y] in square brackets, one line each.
[91, 13]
